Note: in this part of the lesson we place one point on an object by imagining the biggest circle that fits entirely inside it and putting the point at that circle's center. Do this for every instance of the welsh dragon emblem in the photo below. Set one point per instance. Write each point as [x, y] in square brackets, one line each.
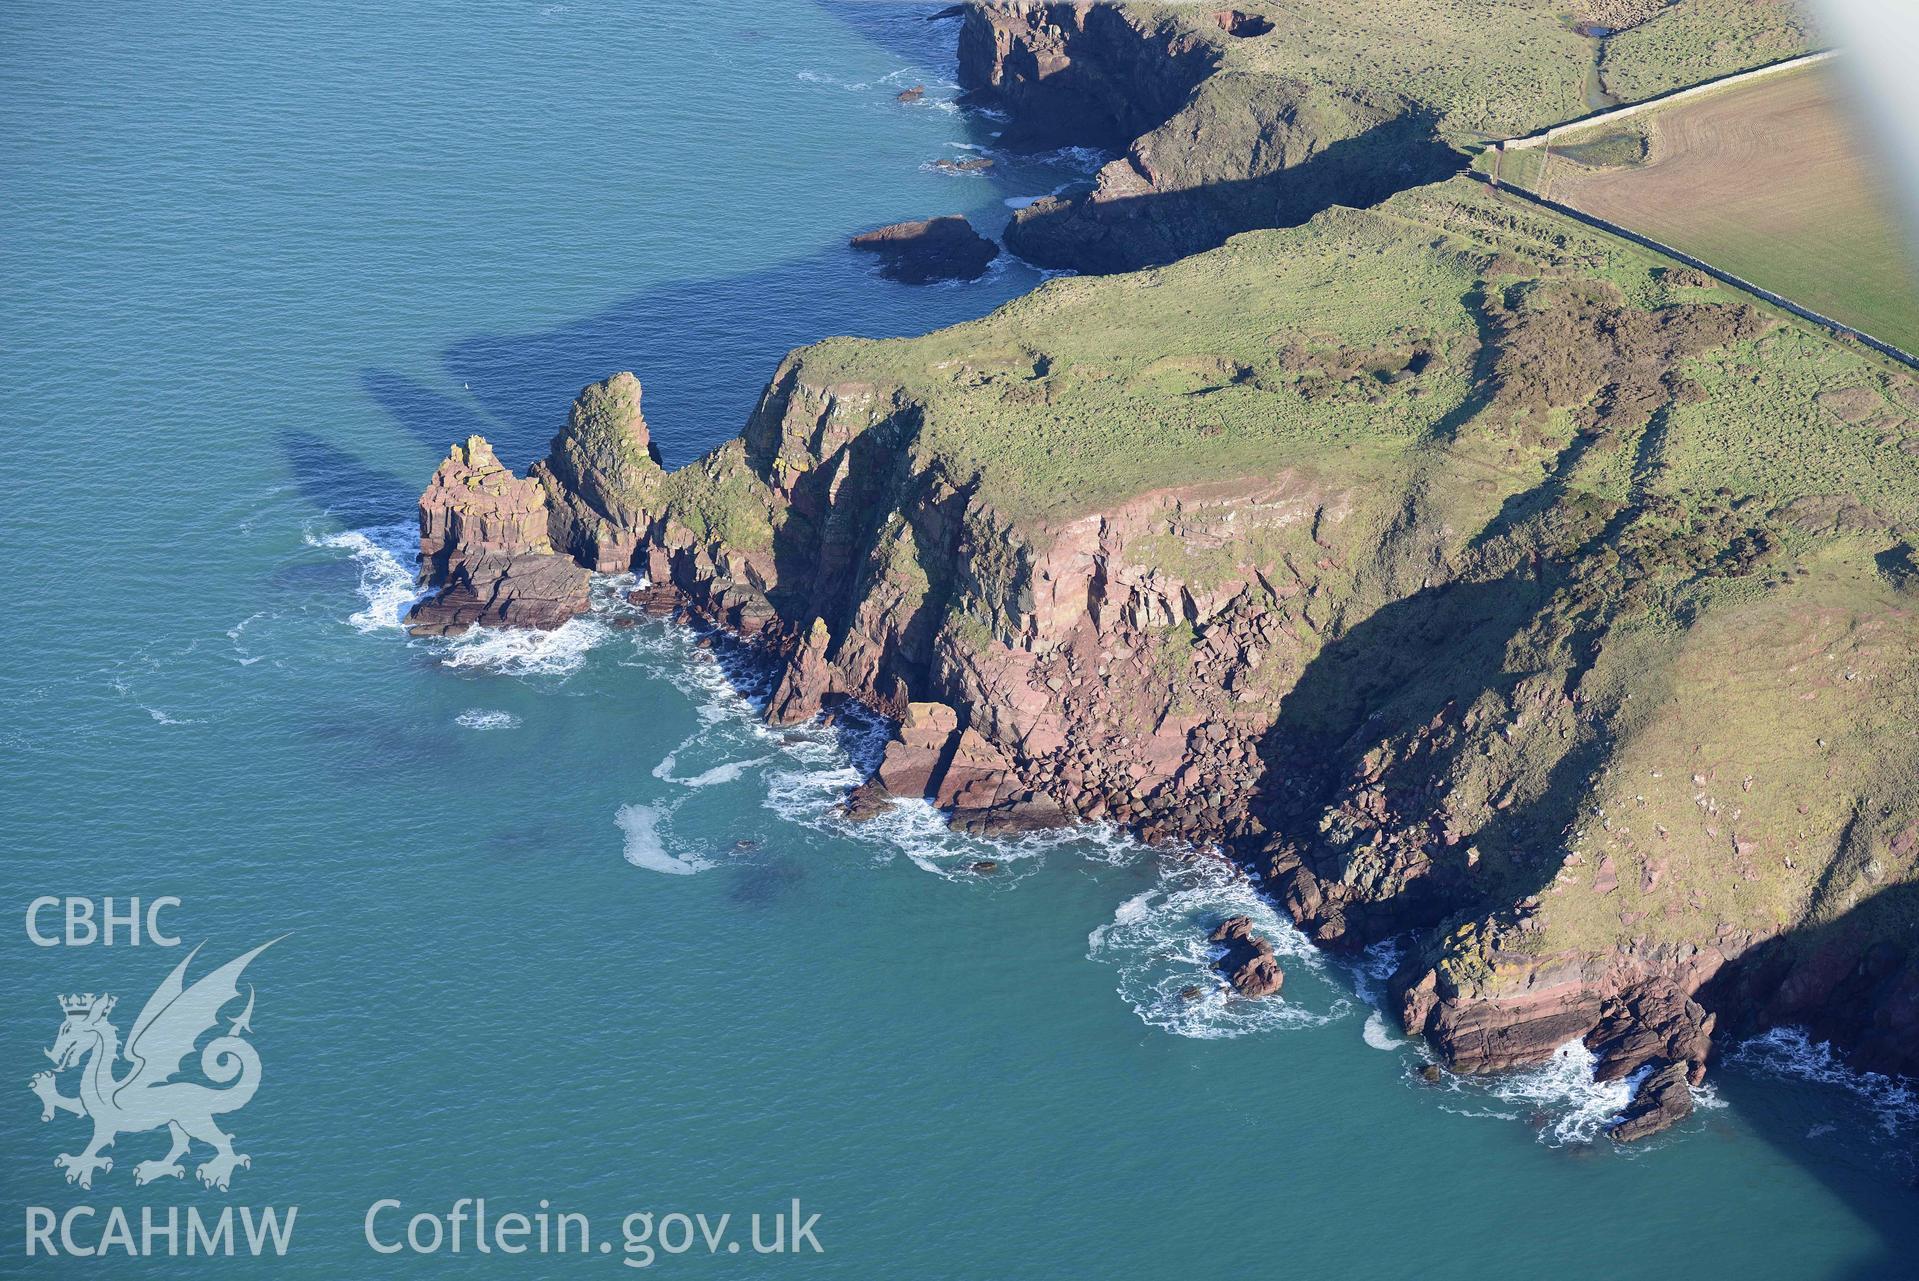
[148, 1097]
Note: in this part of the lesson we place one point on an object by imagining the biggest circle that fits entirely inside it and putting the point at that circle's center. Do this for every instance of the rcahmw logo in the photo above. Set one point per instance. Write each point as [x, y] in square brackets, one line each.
[149, 1095]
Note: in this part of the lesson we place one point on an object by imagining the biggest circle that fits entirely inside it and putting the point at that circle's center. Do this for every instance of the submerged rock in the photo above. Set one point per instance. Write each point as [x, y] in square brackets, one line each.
[944, 248]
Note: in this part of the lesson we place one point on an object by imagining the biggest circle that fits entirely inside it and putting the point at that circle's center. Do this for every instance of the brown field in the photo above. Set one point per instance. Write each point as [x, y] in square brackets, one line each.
[1771, 181]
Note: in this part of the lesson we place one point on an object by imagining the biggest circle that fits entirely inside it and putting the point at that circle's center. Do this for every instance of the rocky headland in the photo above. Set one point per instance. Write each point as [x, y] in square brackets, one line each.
[1469, 576]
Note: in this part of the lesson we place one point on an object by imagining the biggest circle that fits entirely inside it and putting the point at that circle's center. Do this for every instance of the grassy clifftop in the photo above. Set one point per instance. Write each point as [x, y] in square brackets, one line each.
[1470, 564]
[1496, 68]
[1266, 114]
[1356, 342]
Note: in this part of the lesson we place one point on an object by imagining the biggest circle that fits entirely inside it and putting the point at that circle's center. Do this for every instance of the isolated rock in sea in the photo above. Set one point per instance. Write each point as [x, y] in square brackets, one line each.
[913, 94]
[600, 475]
[534, 589]
[944, 248]
[975, 164]
[484, 544]
[1662, 1100]
[1248, 962]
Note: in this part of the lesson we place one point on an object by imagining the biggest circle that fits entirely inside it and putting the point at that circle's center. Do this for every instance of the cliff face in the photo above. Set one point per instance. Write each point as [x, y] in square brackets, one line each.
[1087, 75]
[1512, 594]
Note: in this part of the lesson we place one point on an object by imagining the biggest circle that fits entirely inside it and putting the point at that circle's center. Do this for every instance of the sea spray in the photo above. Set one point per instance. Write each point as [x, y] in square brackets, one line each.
[1559, 1097]
[524, 652]
[479, 718]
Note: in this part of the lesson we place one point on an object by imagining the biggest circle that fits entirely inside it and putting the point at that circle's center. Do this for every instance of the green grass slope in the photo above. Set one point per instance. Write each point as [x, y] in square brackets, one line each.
[1579, 492]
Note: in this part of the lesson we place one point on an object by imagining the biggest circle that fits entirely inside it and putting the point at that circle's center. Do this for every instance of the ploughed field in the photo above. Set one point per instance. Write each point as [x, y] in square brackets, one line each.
[1771, 180]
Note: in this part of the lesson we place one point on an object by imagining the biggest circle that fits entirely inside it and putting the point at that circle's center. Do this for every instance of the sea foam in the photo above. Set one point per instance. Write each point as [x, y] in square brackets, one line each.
[387, 586]
[645, 847]
[482, 719]
[1157, 941]
[1792, 1053]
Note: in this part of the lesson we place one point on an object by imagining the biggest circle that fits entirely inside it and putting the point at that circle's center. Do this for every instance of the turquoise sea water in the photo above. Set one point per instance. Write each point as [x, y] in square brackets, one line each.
[567, 923]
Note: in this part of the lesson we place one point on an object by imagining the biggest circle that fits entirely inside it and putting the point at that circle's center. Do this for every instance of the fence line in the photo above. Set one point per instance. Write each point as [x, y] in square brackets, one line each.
[1545, 136]
[1805, 313]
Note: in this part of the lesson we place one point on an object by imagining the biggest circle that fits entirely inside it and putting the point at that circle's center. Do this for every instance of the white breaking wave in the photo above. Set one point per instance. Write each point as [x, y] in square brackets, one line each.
[1157, 940]
[1791, 1052]
[1559, 1098]
[645, 847]
[514, 651]
[482, 719]
[522, 652]
[1020, 202]
[386, 580]
[388, 589]
[1562, 1094]
[1377, 1034]
[1086, 160]
[725, 772]
[831, 81]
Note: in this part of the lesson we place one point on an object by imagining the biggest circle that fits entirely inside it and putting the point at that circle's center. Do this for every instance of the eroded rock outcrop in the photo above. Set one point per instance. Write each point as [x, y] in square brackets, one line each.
[503, 551]
[601, 476]
[943, 248]
[1662, 1101]
[1247, 960]
[1209, 149]
[485, 545]
[539, 591]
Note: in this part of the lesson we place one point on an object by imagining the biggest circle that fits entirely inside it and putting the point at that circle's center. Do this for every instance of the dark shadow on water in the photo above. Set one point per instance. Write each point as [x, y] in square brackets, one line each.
[432, 417]
[340, 484]
[703, 349]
